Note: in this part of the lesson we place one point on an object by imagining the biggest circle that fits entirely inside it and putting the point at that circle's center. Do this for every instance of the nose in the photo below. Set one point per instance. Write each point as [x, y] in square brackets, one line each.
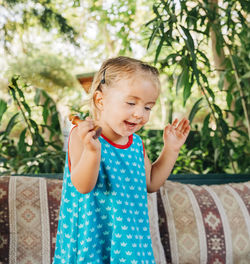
[138, 112]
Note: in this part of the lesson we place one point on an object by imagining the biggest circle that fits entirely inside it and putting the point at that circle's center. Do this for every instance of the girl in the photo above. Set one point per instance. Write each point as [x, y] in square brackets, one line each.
[103, 215]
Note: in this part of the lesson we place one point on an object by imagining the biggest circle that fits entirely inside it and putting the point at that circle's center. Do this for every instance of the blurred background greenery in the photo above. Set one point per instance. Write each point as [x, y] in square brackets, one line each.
[201, 48]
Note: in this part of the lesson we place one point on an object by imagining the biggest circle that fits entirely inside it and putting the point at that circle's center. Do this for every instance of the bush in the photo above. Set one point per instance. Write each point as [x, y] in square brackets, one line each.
[39, 146]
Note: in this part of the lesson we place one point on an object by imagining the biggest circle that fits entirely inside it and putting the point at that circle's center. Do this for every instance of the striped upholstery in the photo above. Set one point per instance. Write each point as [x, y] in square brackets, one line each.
[201, 224]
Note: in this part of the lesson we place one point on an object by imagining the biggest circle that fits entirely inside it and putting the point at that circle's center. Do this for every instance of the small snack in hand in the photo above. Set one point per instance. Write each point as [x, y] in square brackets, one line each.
[75, 121]
[98, 131]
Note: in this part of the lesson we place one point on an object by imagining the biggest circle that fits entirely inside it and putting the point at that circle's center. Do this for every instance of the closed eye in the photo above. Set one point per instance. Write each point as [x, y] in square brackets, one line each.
[129, 103]
[148, 108]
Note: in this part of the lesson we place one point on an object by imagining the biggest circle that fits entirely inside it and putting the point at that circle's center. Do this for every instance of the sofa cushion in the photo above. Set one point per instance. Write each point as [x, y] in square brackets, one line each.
[29, 209]
[202, 224]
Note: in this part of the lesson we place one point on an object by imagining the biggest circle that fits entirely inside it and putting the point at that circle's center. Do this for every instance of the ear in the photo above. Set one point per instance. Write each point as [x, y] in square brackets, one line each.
[98, 100]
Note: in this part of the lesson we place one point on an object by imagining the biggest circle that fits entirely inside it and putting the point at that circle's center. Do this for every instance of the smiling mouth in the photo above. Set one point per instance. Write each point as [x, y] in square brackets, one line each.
[130, 124]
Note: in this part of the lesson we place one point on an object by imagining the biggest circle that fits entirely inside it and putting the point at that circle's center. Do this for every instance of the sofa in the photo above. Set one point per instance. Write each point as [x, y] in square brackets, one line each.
[193, 219]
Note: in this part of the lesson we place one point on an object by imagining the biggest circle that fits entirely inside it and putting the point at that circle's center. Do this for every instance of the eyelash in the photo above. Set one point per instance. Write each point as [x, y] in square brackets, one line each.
[146, 108]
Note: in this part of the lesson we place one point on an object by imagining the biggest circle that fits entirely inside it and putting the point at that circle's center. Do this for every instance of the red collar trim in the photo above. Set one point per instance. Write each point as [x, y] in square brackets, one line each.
[69, 163]
[128, 144]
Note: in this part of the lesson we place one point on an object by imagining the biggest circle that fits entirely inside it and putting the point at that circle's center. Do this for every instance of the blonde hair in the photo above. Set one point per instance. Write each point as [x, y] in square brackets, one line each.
[115, 69]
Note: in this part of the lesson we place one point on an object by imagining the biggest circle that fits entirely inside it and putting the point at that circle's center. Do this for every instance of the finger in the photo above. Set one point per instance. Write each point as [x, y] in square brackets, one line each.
[175, 122]
[84, 127]
[187, 130]
[167, 129]
[183, 124]
[90, 138]
[180, 125]
[87, 124]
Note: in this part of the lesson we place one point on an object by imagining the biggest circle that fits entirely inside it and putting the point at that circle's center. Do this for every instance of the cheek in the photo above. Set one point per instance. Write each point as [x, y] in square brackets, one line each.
[146, 118]
[113, 109]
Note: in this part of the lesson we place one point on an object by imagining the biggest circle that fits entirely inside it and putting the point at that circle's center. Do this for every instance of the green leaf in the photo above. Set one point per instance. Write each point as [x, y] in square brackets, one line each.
[45, 114]
[216, 139]
[182, 79]
[186, 91]
[46, 166]
[205, 128]
[224, 126]
[37, 96]
[20, 92]
[204, 57]
[240, 132]
[172, 56]
[21, 142]
[34, 125]
[158, 50]
[211, 93]
[153, 35]
[27, 108]
[246, 76]
[13, 92]
[218, 110]
[229, 99]
[189, 40]
[14, 80]
[3, 108]
[39, 139]
[221, 81]
[196, 107]
[11, 124]
[236, 62]
[216, 154]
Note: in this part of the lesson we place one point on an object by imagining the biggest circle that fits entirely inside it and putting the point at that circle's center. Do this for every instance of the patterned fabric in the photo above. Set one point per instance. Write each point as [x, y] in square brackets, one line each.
[187, 216]
[203, 224]
[29, 209]
[110, 224]
[4, 220]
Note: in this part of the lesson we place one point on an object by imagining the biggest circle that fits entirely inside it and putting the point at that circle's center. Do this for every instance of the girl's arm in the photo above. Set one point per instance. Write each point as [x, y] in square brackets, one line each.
[85, 156]
[174, 137]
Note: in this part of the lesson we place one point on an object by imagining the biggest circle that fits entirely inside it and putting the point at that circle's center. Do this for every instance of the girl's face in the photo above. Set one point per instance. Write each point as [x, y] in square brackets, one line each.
[125, 107]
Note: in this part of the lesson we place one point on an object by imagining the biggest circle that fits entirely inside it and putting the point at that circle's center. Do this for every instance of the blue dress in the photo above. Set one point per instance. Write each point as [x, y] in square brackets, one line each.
[110, 224]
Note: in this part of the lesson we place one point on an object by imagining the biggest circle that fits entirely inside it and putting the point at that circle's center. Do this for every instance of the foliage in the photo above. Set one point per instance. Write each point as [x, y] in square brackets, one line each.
[99, 29]
[192, 158]
[153, 142]
[39, 53]
[27, 13]
[33, 153]
[44, 70]
[117, 19]
[182, 33]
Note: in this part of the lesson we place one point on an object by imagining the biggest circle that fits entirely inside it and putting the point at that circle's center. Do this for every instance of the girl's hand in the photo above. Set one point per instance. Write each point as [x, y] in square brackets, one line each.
[86, 133]
[175, 134]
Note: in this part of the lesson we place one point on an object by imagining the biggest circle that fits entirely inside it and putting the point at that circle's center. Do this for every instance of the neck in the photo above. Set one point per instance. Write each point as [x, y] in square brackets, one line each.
[112, 135]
